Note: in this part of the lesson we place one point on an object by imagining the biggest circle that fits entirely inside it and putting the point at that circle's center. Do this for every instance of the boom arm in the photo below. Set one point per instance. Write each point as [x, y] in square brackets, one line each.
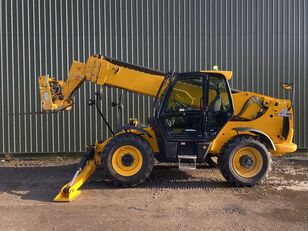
[56, 95]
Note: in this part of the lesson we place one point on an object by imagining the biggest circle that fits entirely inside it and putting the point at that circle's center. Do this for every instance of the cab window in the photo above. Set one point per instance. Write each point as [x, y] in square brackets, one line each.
[219, 103]
[186, 95]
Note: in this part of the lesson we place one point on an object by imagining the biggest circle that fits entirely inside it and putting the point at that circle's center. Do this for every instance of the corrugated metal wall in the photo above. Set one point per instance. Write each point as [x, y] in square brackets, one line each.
[263, 41]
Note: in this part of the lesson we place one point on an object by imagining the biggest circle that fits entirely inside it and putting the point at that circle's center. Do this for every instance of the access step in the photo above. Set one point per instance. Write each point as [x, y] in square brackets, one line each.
[187, 162]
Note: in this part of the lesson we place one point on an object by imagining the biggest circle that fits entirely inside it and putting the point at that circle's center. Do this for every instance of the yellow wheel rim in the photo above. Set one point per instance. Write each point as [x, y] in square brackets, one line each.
[127, 160]
[247, 162]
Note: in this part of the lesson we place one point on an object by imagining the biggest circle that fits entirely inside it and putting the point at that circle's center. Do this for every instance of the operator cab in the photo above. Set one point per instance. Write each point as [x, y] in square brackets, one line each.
[190, 112]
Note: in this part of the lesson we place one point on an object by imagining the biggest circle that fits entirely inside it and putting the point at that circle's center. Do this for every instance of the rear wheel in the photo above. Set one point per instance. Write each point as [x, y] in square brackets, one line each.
[244, 161]
[127, 160]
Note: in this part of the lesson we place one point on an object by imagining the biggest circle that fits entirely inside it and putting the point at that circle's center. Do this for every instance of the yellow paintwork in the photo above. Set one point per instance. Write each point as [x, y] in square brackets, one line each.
[129, 79]
[57, 96]
[49, 101]
[98, 71]
[254, 169]
[123, 170]
[82, 177]
[91, 165]
[56, 101]
[284, 148]
[226, 74]
[269, 123]
[101, 72]
[240, 99]
[151, 140]
[73, 192]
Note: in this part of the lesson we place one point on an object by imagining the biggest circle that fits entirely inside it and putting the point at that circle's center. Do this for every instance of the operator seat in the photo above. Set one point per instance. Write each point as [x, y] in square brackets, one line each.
[216, 105]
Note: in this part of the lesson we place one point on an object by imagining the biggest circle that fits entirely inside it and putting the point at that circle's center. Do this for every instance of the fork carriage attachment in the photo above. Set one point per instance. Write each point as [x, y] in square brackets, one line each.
[86, 168]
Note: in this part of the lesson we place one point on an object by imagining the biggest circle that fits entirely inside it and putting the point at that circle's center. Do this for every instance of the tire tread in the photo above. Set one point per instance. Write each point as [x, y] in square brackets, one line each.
[131, 181]
[228, 148]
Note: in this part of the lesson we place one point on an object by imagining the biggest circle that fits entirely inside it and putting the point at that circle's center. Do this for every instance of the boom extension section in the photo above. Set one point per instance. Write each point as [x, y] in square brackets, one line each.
[56, 95]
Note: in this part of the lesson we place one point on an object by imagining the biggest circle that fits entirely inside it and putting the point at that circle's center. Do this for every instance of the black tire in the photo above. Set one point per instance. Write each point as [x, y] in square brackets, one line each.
[225, 161]
[147, 160]
[211, 161]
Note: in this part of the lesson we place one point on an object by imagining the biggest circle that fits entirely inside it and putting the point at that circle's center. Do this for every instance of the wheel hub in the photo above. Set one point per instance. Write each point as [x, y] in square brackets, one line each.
[127, 159]
[247, 161]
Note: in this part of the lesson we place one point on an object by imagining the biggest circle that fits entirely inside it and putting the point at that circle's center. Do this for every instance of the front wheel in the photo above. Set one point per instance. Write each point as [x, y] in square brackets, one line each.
[128, 160]
[244, 161]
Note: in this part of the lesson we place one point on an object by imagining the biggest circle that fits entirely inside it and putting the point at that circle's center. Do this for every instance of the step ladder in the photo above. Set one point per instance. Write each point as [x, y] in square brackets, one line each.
[190, 162]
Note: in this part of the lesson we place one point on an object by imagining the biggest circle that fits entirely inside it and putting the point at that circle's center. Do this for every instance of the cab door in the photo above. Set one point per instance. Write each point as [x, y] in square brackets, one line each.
[183, 112]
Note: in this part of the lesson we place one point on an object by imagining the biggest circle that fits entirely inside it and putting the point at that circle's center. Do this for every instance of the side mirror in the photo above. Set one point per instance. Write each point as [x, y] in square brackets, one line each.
[287, 86]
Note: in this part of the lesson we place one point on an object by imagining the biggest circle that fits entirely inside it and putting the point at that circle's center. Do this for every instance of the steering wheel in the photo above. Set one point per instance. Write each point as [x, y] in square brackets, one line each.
[181, 105]
[168, 123]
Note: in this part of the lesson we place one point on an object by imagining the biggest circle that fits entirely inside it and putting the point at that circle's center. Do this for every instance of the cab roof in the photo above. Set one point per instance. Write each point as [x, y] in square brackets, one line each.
[227, 74]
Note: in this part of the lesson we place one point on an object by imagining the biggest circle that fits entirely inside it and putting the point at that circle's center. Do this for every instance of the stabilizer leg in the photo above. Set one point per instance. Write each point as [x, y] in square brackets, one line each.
[87, 167]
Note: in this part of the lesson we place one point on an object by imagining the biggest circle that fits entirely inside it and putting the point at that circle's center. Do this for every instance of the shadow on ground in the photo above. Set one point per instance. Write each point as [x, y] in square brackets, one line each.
[43, 183]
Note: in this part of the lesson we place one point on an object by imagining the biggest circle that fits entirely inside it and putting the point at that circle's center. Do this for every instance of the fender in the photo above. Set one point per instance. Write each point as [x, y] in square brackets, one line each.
[129, 127]
[259, 133]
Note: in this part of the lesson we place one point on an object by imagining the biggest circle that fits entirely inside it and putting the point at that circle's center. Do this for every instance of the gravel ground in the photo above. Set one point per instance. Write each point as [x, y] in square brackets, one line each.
[170, 199]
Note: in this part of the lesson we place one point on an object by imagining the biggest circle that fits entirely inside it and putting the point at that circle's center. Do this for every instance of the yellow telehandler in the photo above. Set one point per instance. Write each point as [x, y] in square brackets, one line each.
[196, 115]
